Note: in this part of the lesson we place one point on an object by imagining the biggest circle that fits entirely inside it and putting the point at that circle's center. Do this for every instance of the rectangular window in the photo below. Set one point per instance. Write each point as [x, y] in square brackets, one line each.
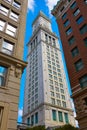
[61, 85]
[85, 41]
[53, 101]
[85, 99]
[36, 103]
[57, 89]
[59, 75]
[14, 16]
[2, 25]
[79, 65]
[51, 87]
[54, 115]
[64, 104]
[83, 29]
[36, 118]
[4, 10]
[11, 30]
[75, 52]
[60, 80]
[57, 95]
[64, 16]
[46, 38]
[55, 78]
[83, 81]
[63, 97]
[58, 102]
[51, 81]
[49, 39]
[1, 115]
[80, 20]
[76, 12]
[3, 74]
[54, 43]
[85, 1]
[32, 120]
[73, 5]
[7, 47]
[66, 117]
[60, 116]
[68, 32]
[28, 121]
[62, 91]
[71, 40]
[54, 68]
[9, 1]
[67, 22]
[52, 94]
[62, 9]
[16, 4]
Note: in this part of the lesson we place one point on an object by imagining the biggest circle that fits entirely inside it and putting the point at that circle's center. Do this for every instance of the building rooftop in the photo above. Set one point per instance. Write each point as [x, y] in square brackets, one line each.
[41, 14]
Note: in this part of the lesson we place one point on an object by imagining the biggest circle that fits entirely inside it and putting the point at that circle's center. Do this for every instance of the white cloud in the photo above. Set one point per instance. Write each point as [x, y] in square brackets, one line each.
[31, 4]
[50, 4]
[20, 112]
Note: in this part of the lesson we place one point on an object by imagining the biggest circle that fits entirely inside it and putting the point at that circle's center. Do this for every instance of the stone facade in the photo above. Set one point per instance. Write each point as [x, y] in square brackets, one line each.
[12, 28]
[46, 90]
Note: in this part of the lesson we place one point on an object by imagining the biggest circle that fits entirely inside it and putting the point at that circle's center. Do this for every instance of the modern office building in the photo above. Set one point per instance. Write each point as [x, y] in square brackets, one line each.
[12, 28]
[46, 100]
[72, 22]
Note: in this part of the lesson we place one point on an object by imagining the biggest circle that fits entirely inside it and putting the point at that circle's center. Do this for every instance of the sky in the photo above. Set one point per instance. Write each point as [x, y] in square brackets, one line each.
[34, 6]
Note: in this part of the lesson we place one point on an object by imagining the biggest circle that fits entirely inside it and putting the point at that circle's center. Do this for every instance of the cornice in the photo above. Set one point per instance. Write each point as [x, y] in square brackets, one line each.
[8, 60]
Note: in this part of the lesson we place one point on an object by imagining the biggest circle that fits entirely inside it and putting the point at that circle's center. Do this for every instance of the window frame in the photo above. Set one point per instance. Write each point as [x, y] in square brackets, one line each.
[83, 29]
[54, 117]
[60, 115]
[74, 51]
[16, 5]
[85, 41]
[14, 16]
[10, 31]
[8, 1]
[66, 118]
[68, 31]
[76, 12]
[71, 40]
[1, 115]
[66, 23]
[79, 65]
[64, 16]
[3, 75]
[2, 25]
[9, 48]
[74, 4]
[80, 20]
[83, 80]
[3, 10]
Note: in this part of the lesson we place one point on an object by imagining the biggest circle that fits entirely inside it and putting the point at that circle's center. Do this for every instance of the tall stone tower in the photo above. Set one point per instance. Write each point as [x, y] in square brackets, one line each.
[46, 100]
[12, 28]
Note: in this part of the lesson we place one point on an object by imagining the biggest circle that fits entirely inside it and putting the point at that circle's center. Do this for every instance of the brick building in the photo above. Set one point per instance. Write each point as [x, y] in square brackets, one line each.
[72, 22]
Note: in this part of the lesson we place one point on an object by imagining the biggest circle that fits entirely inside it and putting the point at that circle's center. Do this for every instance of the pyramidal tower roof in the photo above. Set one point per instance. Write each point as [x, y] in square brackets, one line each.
[41, 14]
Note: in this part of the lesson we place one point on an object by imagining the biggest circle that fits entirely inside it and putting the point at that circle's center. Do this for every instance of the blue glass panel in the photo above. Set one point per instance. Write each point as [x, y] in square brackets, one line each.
[80, 20]
[73, 5]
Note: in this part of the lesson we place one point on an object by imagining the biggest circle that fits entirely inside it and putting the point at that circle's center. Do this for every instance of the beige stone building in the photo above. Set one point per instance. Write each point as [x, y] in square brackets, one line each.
[12, 28]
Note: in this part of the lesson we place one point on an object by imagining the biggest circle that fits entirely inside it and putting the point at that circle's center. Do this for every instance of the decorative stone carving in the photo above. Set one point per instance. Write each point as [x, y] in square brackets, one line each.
[18, 71]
